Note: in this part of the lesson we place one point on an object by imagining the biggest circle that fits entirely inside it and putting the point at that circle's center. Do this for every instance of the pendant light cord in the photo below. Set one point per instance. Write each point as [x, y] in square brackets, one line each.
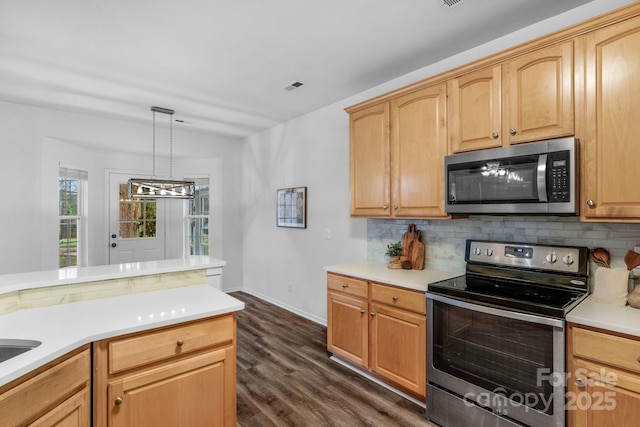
[170, 146]
[153, 175]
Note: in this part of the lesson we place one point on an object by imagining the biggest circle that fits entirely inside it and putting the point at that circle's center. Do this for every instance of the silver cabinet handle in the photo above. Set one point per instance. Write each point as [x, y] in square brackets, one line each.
[372, 314]
[362, 311]
[344, 286]
[119, 401]
[394, 298]
[385, 207]
[180, 343]
[495, 135]
[580, 382]
[395, 207]
[591, 203]
[512, 131]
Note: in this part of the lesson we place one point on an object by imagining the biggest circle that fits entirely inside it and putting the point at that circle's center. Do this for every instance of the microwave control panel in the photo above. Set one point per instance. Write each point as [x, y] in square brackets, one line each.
[559, 176]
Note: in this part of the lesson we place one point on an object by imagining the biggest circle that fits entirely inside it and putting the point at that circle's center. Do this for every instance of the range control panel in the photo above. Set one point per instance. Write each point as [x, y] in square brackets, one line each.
[568, 259]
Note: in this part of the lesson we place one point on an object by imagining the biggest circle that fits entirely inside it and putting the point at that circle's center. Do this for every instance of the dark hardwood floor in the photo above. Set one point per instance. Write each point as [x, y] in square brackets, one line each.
[285, 377]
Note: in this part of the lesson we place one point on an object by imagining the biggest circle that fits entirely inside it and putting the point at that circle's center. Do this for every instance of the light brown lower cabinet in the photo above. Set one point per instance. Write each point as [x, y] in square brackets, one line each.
[603, 386]
[58, 394]
[182, 375]
[380, 328]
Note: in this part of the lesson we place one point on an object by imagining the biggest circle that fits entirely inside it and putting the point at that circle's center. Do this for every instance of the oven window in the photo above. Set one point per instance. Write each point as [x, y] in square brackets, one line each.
[499, 354]
[499, 181]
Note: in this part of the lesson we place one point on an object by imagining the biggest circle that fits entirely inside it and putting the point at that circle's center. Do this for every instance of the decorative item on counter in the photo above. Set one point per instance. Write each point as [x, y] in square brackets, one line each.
[600, 256]
[611, 286]
[632, 259]
[394, 251]
[407, 238]
[417, 253]
[406, 265]
[634, 297]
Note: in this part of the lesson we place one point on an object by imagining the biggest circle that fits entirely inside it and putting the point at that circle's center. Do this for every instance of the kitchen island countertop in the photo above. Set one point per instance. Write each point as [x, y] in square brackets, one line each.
[72, 275]
[625, 320]
[65, 327]
[418, 280]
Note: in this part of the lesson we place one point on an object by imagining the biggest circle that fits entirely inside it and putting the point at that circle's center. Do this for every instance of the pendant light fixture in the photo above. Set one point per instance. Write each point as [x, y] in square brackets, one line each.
[161, 188]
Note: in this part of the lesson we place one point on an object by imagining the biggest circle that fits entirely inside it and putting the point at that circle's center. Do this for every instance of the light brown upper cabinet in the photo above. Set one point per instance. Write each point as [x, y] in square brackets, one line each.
[396, 150]
[418, 147]
[370, 161]
[612, 138]
[528, 98]
[476, 112]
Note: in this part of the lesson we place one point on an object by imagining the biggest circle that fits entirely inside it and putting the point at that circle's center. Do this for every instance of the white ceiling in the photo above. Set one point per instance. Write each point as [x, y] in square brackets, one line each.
[222, 64]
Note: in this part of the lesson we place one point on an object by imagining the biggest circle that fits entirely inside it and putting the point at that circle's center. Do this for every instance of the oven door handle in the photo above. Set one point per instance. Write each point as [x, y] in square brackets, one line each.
[542, 320]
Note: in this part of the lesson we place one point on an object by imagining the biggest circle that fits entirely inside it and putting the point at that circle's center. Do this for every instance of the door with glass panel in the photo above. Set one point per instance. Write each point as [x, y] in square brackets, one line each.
[136, 226]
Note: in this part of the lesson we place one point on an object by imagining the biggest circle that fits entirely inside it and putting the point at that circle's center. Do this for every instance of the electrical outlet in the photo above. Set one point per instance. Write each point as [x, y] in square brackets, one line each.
[327, 233]
[290, 287]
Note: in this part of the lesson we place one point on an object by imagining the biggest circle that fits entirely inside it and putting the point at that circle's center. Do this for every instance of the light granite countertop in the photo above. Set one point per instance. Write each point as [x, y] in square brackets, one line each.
[71, 275]
[610, 317]
[378, 272]
[65, 327]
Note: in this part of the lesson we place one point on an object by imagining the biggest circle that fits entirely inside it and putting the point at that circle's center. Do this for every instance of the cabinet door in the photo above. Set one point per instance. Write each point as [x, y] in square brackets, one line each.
[55, 394]
[599, 396]
[398, 347]
[73, 412]
[419, 144]
[190, 392]
[369, 155]
[476, 113]
[348, 328]
[539, 95]
[613, 129]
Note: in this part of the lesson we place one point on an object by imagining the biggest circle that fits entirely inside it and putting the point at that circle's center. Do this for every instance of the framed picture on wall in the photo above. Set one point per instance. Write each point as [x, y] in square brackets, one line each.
[292, 207]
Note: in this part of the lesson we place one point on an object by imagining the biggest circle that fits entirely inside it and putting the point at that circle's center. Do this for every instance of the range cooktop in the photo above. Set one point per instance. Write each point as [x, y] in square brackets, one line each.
[538, 279]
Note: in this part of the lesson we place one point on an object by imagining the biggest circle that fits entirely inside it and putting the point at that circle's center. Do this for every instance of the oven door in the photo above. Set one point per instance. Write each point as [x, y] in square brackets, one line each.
[509, 363]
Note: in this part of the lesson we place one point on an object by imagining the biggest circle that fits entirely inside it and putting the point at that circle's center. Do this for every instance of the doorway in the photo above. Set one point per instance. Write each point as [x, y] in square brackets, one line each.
[136, 226]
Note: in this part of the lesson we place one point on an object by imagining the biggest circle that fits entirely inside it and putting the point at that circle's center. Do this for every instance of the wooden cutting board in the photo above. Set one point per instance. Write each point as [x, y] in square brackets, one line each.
[417, 253]
[407, 238]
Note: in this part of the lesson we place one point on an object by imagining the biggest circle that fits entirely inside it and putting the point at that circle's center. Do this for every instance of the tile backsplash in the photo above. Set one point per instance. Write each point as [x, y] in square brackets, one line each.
[445, 239]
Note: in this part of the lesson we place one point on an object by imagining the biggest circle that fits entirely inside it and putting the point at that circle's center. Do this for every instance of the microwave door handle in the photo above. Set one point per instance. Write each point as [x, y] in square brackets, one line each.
[542, 178]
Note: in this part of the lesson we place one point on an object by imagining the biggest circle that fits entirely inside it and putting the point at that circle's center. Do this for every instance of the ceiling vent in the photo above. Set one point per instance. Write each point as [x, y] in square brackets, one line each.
[292, 86]
[448, 4]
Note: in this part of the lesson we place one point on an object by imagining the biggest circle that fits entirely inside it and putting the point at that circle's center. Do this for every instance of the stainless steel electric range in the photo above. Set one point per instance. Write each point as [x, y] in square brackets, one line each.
[496, 336]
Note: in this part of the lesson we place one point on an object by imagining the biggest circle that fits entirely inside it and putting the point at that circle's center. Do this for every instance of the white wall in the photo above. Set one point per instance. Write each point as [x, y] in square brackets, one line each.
[313, 151]
[36, 140]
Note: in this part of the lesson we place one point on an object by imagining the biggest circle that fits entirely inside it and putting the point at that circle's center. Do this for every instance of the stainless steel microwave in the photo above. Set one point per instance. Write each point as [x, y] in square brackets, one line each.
[533, 178]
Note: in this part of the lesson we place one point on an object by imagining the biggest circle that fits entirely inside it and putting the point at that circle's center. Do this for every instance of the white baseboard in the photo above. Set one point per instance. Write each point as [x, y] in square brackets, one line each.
[378, 381]
[287, 307]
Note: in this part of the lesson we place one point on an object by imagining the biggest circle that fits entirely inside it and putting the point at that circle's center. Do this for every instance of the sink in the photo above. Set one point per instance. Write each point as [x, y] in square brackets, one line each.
[13, 347]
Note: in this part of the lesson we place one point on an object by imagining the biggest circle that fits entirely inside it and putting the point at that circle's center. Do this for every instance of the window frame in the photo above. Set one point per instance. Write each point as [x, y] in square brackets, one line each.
[81, 176]
[202, 181]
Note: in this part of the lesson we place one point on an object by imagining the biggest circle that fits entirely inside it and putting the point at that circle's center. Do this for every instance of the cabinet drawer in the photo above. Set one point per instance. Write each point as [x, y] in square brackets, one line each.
[347, 285]
[609, 349]
[148, 347]
[398, 297]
